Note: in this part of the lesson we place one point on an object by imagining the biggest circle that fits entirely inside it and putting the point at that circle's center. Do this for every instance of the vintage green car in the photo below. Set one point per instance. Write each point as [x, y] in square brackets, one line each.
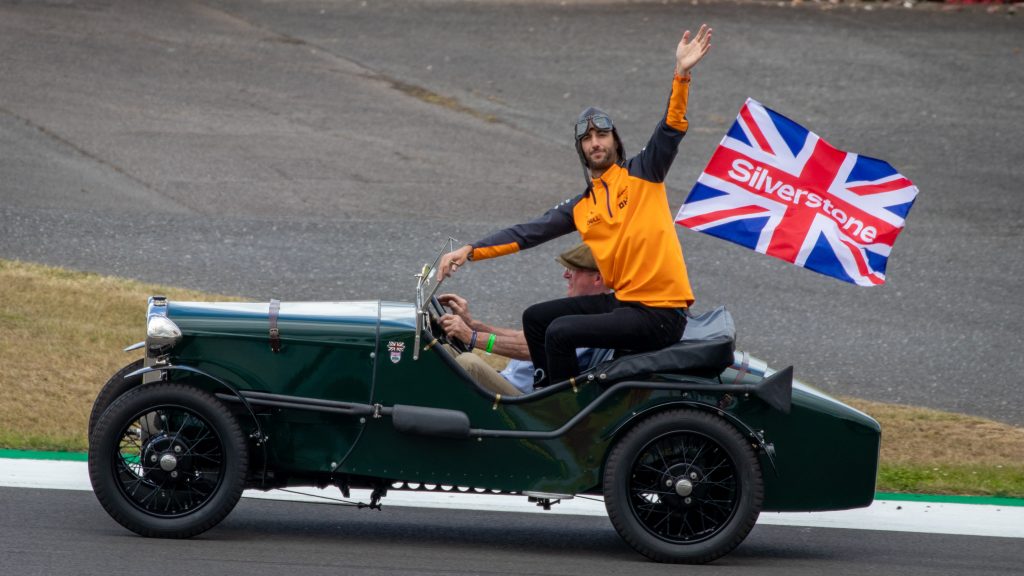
[687, 445]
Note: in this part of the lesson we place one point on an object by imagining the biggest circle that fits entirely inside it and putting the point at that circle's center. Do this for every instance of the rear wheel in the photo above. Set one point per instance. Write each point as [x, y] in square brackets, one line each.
[683, 486]
[167, 460]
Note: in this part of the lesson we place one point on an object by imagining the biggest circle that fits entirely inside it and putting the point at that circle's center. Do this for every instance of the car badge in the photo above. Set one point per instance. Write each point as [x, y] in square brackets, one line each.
[396, 349]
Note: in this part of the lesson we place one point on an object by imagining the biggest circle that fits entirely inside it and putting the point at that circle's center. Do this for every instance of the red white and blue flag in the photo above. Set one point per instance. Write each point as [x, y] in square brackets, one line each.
[777, 188]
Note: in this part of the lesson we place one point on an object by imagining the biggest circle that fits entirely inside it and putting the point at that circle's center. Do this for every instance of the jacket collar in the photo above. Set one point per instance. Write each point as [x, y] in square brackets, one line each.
[608, 174]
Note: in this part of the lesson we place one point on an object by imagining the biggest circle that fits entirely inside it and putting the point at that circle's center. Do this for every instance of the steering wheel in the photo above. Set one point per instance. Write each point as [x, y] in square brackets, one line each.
[438, 310]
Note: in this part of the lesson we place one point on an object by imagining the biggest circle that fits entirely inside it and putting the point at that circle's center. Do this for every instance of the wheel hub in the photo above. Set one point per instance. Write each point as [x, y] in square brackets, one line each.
[166, 459]
[684, 487]
[684, 480]
[169, 462]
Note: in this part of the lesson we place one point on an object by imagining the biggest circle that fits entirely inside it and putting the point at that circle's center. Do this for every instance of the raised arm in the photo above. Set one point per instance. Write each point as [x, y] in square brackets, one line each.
[653, 162]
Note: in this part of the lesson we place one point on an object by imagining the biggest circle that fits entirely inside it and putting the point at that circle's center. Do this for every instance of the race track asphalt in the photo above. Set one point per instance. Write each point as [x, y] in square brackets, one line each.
[66, 532]
[318, 149]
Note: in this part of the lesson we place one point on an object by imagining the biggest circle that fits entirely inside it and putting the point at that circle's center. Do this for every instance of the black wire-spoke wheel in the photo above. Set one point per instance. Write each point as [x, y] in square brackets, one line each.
[167, 460]
[683, 486]
[170, 461]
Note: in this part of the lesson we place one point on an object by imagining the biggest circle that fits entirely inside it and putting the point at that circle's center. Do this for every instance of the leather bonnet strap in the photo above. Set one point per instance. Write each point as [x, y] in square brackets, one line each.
[275, 334]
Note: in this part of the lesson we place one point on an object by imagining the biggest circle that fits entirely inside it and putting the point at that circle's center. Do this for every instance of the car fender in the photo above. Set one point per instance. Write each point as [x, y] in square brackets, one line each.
[165, 369]
[756, 437]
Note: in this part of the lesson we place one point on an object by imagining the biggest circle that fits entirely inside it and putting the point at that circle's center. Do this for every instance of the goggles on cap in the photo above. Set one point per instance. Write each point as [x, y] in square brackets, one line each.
[601, 122]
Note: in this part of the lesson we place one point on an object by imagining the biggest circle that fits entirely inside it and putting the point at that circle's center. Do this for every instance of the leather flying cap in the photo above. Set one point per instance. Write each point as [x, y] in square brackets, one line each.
[578, 257]
[593, 117]
[588, 116]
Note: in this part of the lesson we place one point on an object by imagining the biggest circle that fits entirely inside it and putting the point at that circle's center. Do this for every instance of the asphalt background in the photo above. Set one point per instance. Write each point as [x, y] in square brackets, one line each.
[74, 537]
[323, 150]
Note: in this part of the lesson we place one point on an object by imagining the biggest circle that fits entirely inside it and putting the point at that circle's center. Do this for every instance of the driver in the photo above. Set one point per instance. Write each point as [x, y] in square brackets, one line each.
[517, 378]
[624, 217]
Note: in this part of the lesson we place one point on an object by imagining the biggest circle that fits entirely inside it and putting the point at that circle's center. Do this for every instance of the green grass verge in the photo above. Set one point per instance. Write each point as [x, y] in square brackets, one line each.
[1003, 481]
[41, 443]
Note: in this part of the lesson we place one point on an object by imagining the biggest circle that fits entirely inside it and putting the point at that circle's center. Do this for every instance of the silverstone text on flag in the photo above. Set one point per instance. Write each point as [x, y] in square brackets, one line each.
[777, 188]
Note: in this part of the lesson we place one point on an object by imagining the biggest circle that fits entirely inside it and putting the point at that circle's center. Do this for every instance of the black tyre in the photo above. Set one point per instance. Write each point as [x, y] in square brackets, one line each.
[683, 486]
[168, 460]
[116, 386]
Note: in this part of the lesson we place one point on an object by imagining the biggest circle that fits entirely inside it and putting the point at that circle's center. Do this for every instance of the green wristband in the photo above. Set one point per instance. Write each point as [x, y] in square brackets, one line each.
[490, 343]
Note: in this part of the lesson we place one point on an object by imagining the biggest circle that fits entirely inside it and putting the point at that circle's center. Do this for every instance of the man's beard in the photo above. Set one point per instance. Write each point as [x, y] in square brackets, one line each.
[604, 163]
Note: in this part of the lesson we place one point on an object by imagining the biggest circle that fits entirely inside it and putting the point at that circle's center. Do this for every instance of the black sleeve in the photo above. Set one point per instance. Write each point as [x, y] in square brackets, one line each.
[556, 222]
[653, 162]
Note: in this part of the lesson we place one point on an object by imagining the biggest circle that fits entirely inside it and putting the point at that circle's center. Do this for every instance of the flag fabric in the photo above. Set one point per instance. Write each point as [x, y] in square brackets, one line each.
[777, 188]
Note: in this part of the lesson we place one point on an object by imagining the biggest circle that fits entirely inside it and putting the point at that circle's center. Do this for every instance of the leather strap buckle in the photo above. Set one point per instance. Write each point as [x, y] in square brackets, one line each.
[275, 334]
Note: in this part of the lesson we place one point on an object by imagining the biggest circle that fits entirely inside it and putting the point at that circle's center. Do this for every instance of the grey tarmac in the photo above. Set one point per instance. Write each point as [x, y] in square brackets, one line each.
[271, 538]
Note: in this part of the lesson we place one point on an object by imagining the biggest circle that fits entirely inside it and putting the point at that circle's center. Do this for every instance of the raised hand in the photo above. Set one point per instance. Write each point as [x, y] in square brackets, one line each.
[689, 52]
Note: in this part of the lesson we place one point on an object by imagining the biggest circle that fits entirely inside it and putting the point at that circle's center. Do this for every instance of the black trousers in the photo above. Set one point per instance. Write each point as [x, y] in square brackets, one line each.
[555, 329]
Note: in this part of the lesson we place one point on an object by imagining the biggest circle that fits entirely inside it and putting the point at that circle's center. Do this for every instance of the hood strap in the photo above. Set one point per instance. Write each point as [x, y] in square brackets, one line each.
[275, 334]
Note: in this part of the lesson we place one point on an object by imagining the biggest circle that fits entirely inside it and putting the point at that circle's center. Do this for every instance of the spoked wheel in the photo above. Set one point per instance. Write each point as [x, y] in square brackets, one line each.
[167, 460]
[683, 486]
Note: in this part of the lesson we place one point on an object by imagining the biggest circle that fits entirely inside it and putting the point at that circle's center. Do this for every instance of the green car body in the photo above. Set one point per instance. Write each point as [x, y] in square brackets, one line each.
[826, 452]
[319, 401]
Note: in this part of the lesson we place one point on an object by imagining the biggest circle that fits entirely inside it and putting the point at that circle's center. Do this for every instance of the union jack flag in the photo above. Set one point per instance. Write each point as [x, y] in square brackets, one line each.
[777, 188]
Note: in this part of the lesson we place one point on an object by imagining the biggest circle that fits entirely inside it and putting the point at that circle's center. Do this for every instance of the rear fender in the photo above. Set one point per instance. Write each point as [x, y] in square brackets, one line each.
[755, 437]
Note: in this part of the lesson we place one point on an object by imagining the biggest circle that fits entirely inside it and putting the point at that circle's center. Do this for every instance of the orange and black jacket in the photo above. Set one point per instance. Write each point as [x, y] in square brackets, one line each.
[625, 220]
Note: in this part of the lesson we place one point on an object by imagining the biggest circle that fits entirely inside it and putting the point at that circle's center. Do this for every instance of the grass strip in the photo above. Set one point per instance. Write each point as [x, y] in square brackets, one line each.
[44, 455]
[949, 499]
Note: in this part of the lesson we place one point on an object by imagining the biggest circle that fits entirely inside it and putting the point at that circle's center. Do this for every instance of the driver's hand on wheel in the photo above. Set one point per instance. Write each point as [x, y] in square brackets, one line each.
[458, 305]
[451, 261]
[454, 327]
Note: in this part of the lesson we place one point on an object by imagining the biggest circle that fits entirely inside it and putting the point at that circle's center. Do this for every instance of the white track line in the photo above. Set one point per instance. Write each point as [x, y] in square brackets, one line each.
[889, 515]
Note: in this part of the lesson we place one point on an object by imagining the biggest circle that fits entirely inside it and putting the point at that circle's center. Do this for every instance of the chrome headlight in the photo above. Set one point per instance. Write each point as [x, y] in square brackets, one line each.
[161, 335]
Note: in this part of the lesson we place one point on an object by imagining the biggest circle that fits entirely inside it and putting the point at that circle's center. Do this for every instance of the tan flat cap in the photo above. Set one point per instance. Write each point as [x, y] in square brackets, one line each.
[578, 257]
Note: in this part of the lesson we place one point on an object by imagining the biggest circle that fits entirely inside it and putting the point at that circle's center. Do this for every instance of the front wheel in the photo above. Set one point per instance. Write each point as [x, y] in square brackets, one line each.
[683, 486]
[167, 460]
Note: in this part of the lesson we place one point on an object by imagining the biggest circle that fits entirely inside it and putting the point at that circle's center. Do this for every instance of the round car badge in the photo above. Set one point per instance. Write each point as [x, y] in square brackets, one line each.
[396, 349]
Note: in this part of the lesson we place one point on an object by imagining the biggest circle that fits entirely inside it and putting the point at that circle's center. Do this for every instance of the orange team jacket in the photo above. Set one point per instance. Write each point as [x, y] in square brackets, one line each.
[625, 220]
